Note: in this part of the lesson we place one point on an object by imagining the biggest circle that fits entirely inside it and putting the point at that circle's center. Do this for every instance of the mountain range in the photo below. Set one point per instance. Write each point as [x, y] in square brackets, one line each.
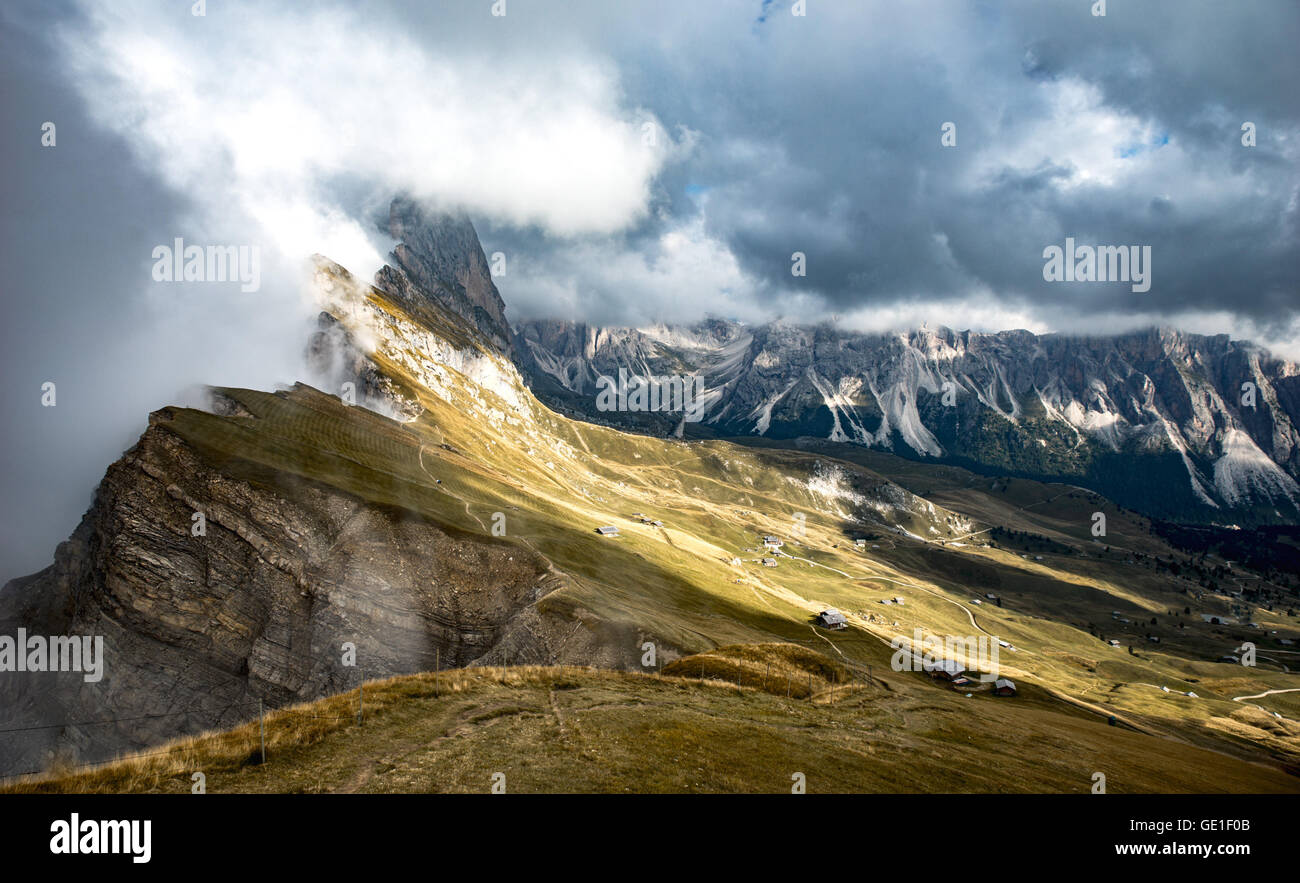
[1179, 426]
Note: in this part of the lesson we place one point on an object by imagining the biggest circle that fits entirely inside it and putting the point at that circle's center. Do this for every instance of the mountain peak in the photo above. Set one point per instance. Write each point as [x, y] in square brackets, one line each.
[440, 252]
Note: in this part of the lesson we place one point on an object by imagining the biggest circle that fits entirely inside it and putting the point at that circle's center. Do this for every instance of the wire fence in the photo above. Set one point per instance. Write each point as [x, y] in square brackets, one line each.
[260, 705]
[116, 720]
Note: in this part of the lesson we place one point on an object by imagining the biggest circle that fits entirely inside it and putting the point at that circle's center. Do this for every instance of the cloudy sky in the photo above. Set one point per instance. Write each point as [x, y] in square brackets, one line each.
[634, 161]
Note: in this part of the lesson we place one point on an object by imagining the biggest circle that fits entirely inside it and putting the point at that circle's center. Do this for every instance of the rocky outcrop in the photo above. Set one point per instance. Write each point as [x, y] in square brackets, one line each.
[336, 359]
[259, 605]
[441, 254]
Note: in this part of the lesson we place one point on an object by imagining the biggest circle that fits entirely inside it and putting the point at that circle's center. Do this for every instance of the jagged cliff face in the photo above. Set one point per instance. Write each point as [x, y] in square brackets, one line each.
[259, 605]
[440, 256]
[1161, 420]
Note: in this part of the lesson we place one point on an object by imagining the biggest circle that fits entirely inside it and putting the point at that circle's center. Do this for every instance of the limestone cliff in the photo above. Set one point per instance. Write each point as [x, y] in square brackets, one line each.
[230, 555]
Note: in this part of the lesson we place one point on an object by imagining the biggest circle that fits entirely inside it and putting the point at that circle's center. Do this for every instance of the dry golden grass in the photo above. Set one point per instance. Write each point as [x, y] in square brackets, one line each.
[295, 726]
[781, 669]
[569, 729]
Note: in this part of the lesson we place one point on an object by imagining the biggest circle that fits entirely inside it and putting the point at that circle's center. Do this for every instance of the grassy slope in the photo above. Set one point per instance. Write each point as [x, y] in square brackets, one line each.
[584, 730]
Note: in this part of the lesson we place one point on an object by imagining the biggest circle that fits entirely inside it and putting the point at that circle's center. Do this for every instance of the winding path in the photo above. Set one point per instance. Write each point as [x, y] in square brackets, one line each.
[438, 484]
[1266, 693]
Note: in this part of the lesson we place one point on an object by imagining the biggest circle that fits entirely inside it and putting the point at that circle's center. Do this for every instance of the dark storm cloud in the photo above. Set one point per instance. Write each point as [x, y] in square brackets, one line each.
[821, 135]
[853, 148]
[73, 229]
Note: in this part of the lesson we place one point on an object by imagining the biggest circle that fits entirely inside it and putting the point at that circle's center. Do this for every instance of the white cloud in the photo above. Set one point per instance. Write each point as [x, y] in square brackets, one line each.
[983, 311]
[977, 313]
[1077, 131]
[259, 115]
[683, 275]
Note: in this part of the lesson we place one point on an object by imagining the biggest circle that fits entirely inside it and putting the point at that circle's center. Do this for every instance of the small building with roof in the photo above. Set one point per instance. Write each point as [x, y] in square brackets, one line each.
[832, 619]
[944, 669]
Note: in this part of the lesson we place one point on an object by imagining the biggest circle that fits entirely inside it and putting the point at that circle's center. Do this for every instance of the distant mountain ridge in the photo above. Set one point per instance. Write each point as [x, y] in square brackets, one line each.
[1159, 419]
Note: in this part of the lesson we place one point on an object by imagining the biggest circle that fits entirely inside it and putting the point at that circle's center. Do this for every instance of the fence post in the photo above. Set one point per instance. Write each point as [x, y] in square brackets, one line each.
[261, 726]
[361, 701]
